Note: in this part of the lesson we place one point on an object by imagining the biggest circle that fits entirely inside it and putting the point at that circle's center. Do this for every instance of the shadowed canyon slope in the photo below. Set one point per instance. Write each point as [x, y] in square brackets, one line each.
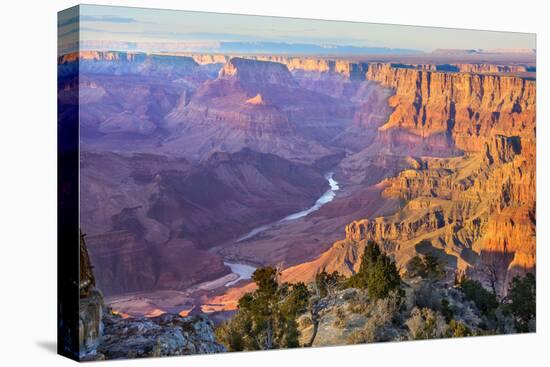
[184, 155]
[150, 219]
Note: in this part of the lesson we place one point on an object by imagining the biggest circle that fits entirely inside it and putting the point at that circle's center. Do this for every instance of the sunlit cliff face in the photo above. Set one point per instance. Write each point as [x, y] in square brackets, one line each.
[475, 210]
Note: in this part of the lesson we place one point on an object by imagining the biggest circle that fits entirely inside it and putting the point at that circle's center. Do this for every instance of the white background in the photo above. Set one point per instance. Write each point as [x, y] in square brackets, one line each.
[28, 182]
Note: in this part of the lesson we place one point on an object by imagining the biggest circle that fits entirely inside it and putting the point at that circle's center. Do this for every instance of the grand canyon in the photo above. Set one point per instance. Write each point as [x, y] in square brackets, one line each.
[197, 170]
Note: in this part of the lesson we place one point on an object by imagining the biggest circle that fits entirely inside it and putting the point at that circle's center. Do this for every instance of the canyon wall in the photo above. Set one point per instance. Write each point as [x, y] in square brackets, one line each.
[462, 106]
[477, 68]
[127, 63]
[351, 69]
[475, 210]
[476, 213]
[357, 69]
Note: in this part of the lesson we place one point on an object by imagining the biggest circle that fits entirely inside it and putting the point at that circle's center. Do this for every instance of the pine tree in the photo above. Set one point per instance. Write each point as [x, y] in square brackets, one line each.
[522, 301]
[377, 273]
[266, 318]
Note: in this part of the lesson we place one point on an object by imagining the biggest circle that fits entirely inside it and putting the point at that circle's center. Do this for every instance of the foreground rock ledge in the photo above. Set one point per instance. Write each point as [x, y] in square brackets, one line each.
[165, 335]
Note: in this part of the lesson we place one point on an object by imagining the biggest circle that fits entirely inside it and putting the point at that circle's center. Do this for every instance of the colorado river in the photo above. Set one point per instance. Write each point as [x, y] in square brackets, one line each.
[242, 270]
[327, 197]
[245, 271]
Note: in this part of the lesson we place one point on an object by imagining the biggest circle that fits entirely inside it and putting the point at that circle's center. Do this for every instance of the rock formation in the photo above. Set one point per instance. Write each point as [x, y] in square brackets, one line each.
[105, 335]
[349, 317]
[256, 100]
[458, 106]
[475, 211]
[254, 74]
[128, 63]
[90, 323]
[349, 69]
[476, 68]
[291, 121]
[165, 335]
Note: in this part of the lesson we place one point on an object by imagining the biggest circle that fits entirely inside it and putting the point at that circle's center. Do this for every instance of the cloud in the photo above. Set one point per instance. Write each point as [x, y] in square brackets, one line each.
[91, 18]
[95, 30]
[107, 18]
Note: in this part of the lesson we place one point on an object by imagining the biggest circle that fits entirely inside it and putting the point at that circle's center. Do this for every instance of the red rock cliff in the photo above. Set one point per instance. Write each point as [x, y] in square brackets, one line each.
[474, 211]
[468, 107]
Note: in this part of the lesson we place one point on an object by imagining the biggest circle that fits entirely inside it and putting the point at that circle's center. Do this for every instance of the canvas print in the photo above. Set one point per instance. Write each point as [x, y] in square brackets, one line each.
[236, 183]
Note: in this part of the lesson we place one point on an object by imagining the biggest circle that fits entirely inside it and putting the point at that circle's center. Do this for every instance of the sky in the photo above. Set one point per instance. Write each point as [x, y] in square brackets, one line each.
[114, 27]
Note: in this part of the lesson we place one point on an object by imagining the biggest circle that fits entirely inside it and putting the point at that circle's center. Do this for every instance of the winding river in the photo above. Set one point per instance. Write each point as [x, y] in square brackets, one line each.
[245, 271]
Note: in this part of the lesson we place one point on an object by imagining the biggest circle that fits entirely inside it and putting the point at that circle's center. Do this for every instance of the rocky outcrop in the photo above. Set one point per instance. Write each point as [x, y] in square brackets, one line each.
[256, 100]
[90, 320]
[205, 59]
[349, 317]
[381, 230]
[103, 334]
[252, 73]
[165, 335]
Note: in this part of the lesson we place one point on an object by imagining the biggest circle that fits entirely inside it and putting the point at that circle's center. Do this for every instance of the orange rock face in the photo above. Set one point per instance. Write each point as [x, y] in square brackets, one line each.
[475, 211]
[467, 107]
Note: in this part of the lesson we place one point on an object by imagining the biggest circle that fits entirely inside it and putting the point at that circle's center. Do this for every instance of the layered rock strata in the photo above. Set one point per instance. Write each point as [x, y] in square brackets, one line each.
[465, 108]
[475, 211]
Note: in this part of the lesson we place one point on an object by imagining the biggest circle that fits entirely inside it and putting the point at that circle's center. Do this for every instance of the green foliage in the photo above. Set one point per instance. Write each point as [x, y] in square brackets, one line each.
[327, 283]
[266, 318]
[233, 334]
[377, 273]
[522, 301]
[427, 267]
[457, 330]
[446, 310]
[484, 300]
[266, 280]
[426, 323]
[383, 278]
